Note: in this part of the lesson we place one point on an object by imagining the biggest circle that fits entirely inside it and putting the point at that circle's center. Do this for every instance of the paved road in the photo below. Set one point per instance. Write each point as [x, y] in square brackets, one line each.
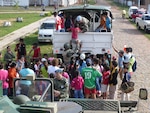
[126, 34]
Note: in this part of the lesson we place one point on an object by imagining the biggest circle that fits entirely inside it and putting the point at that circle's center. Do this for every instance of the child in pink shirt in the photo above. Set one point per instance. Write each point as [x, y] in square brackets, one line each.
[77, 84]
[4, 78]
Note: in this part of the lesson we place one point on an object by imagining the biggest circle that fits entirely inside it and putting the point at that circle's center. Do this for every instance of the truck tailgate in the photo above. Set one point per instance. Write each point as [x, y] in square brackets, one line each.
[94, 42]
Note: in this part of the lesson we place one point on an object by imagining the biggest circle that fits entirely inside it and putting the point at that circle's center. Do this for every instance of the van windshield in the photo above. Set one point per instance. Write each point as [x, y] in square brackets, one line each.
[47, 26]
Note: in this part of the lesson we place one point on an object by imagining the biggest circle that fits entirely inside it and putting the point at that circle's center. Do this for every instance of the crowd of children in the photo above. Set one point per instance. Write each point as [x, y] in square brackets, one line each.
[87, 75]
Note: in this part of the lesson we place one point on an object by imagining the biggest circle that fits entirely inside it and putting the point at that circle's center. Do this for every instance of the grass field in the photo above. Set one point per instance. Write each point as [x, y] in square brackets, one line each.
[29, 40]
[28, 18]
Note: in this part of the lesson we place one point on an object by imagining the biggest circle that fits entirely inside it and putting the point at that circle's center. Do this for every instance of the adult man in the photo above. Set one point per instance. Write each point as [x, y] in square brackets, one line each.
[20, 48]
[90, 74]
[8, 57]
[61, 86]
[120, 61]
[83, 23]
[24, 84]
[67, 53]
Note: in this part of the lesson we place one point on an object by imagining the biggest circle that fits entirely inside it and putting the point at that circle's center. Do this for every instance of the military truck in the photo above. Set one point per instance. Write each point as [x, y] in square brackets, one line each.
[41, 100]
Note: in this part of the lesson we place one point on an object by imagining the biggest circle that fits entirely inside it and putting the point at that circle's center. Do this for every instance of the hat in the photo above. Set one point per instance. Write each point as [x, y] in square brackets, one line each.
[89, 61]
[79, 18]
[59, 70]
[43, 59]
[82, 56]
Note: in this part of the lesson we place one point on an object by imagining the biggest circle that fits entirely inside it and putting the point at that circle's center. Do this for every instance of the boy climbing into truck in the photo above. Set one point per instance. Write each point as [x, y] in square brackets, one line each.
[74, 38]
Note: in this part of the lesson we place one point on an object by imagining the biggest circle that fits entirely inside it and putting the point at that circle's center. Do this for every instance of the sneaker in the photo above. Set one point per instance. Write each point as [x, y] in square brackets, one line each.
[98, 93]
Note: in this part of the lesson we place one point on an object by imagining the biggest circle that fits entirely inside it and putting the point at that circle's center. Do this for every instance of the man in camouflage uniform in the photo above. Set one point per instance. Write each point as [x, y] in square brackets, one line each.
[61, 86]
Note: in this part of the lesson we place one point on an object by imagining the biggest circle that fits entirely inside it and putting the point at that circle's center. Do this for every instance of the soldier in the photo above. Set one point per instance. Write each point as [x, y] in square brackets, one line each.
[61, 86]
[67, 53]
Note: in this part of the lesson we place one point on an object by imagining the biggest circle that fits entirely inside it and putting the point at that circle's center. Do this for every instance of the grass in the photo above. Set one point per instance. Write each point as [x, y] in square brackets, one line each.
[27, 19]
[22, 9]
[29, 40]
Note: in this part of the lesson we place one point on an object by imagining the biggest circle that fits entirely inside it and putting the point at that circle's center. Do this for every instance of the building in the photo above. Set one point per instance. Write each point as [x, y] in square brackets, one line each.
[140, 3]
[36, 2]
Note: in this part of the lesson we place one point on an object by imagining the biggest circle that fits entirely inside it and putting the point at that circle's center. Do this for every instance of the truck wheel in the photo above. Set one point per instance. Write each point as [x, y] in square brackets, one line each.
[145, 29]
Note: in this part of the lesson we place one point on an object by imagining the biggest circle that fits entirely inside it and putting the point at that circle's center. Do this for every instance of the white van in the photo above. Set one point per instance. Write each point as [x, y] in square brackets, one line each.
[46, 31]
[131, 10]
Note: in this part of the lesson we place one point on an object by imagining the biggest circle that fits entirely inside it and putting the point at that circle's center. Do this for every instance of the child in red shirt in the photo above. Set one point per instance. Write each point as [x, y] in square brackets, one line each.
[105, 81]
[36, 52]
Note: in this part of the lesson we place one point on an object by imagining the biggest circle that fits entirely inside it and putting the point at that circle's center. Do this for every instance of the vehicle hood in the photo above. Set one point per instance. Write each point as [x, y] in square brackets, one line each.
[46, 31]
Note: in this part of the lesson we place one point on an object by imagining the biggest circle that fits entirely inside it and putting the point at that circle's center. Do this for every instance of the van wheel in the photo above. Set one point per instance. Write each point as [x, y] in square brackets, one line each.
[145, 29]
[137, 25]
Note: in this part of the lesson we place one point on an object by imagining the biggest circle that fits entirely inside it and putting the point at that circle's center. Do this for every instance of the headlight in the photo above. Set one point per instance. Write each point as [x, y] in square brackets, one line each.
[148, 26]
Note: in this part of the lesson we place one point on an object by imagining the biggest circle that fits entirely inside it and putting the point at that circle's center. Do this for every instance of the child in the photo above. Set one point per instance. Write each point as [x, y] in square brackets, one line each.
[36, 52]
[74, 39]
[12, 73]
[77, 84]
[105, 81]
[126, 78]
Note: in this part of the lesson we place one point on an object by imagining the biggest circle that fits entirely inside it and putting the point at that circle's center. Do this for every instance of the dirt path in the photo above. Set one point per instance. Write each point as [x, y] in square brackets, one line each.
[126, 34]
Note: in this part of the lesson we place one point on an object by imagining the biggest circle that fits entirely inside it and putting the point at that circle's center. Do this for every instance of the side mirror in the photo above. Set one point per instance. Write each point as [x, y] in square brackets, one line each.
[143, 94]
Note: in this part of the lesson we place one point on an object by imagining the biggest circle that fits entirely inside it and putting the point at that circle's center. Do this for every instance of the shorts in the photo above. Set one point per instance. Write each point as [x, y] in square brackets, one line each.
[89, 91]
[104, 88]
[75, 40]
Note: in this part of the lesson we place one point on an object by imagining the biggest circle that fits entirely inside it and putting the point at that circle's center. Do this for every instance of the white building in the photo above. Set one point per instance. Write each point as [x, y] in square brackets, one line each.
[36, 2]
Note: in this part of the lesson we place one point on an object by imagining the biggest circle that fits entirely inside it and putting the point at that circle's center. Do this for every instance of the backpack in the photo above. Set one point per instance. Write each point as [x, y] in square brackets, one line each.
[134, 66]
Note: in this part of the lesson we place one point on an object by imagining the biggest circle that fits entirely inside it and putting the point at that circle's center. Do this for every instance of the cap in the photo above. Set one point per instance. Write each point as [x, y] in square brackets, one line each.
[59, 70]
[89, 61]
[82, 56]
